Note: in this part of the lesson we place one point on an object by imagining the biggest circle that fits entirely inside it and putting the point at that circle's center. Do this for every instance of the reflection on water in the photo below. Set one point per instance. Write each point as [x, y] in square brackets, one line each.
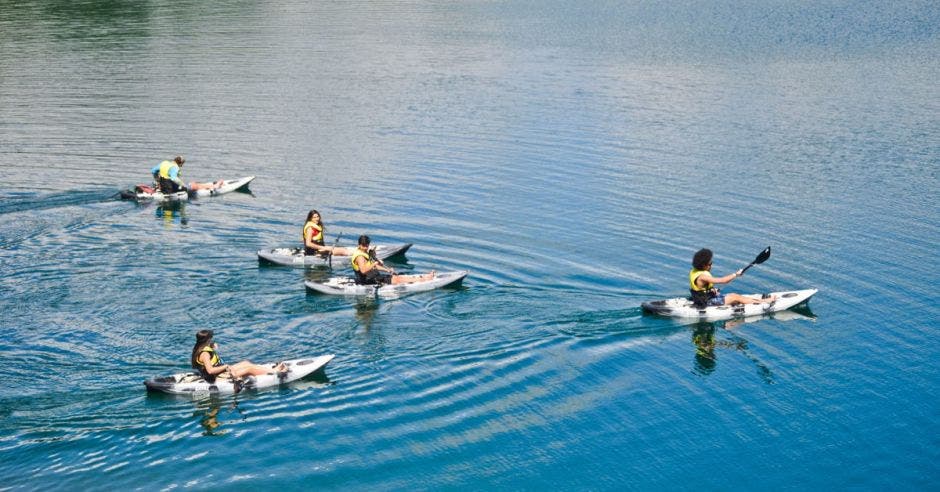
[366, 309]
[172, 212]
[707, 341]
[208, 413]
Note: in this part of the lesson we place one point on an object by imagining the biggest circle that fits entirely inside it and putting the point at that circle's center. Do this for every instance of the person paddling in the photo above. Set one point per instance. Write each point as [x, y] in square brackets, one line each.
[167, 175]
[702, 284]
[370, 270]
[205, 358]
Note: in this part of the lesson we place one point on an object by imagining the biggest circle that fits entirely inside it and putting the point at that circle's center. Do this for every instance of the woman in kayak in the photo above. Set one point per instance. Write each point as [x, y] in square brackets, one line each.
[206, 360]
[313, 238]
[370, 270]
[702, 284]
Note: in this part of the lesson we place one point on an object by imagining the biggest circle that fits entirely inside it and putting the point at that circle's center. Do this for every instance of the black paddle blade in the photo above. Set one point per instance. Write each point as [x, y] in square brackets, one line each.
[762, 257]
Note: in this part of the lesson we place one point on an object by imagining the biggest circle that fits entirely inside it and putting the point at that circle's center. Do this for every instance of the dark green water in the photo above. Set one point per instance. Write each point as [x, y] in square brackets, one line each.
[572, 157]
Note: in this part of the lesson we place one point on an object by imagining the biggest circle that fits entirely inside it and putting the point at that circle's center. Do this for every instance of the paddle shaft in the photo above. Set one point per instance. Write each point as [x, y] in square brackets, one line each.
[335, 244]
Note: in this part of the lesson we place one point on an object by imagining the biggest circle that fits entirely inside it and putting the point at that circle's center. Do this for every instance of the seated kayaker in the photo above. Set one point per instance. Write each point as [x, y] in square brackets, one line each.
[167, 177]
[370, 270]
[206, 360]
[313, 238]
[702, 284]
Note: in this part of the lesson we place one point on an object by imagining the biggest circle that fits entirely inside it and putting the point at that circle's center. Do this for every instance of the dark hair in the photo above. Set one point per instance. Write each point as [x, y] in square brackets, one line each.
[702, 258]
[203, 338]
[179, 160]
[310, 215]
[364, 240]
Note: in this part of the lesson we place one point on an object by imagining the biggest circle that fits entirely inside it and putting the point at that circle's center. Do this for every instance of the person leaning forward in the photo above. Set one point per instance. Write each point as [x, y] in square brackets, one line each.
[167, 175]
[370, 270]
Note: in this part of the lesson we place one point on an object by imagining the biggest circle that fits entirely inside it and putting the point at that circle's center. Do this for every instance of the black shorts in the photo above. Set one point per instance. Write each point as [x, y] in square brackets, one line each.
[168, 186]
[373, 277]
[311, 252]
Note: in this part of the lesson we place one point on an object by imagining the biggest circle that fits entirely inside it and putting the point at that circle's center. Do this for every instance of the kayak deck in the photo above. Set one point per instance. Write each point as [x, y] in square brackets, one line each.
[190, 383]
[682, 307]
[144, 192]
[347, 286]
[295, 257]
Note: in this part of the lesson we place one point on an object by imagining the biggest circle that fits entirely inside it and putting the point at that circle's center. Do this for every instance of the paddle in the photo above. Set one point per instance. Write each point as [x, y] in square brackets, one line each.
[762, 257]
[329, 257]
[373, 256]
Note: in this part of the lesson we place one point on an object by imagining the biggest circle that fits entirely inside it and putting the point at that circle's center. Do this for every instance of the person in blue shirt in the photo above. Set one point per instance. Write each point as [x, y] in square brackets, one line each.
[167, 175]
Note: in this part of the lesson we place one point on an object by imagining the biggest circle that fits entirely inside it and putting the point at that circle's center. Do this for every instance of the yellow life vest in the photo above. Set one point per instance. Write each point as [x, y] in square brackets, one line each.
[165, 167]
[318, 233]
[693, 275]
[357, 254]
[214, 361]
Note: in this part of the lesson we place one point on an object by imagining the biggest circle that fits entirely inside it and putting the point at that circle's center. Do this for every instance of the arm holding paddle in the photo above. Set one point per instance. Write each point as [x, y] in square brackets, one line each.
[708, 278]
[379, 264]
[702, 282]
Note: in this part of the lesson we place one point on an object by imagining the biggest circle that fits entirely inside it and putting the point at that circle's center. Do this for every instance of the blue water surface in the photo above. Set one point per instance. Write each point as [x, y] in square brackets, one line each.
[571, 155]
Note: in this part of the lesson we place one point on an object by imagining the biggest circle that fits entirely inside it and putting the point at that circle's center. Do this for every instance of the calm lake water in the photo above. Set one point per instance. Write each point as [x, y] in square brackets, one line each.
[571, 155]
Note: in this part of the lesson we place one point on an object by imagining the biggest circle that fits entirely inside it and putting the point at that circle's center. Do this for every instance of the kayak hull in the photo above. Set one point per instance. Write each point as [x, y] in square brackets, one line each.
[190, 383]
[682, 307]
[346, 286]
[295, 257]
[228, 186]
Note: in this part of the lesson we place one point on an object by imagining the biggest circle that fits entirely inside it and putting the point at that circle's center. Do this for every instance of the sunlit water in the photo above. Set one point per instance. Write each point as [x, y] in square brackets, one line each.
[571, 157]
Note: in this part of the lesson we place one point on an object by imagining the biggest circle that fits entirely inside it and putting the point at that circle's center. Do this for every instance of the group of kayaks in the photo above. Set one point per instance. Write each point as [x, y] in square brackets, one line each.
[346, 285]
[194, 384]
[190, 383]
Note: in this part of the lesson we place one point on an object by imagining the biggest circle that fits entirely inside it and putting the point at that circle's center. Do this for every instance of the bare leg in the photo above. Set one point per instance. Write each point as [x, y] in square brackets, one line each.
[341, 251]
[739, 299]
[410, 279]
[247, 368]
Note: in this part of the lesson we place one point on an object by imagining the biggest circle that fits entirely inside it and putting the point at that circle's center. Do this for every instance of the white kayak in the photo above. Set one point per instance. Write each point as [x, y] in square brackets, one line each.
[347, 286]
[682, 307]
[295, 257]
[192, 383]
[143, 192]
